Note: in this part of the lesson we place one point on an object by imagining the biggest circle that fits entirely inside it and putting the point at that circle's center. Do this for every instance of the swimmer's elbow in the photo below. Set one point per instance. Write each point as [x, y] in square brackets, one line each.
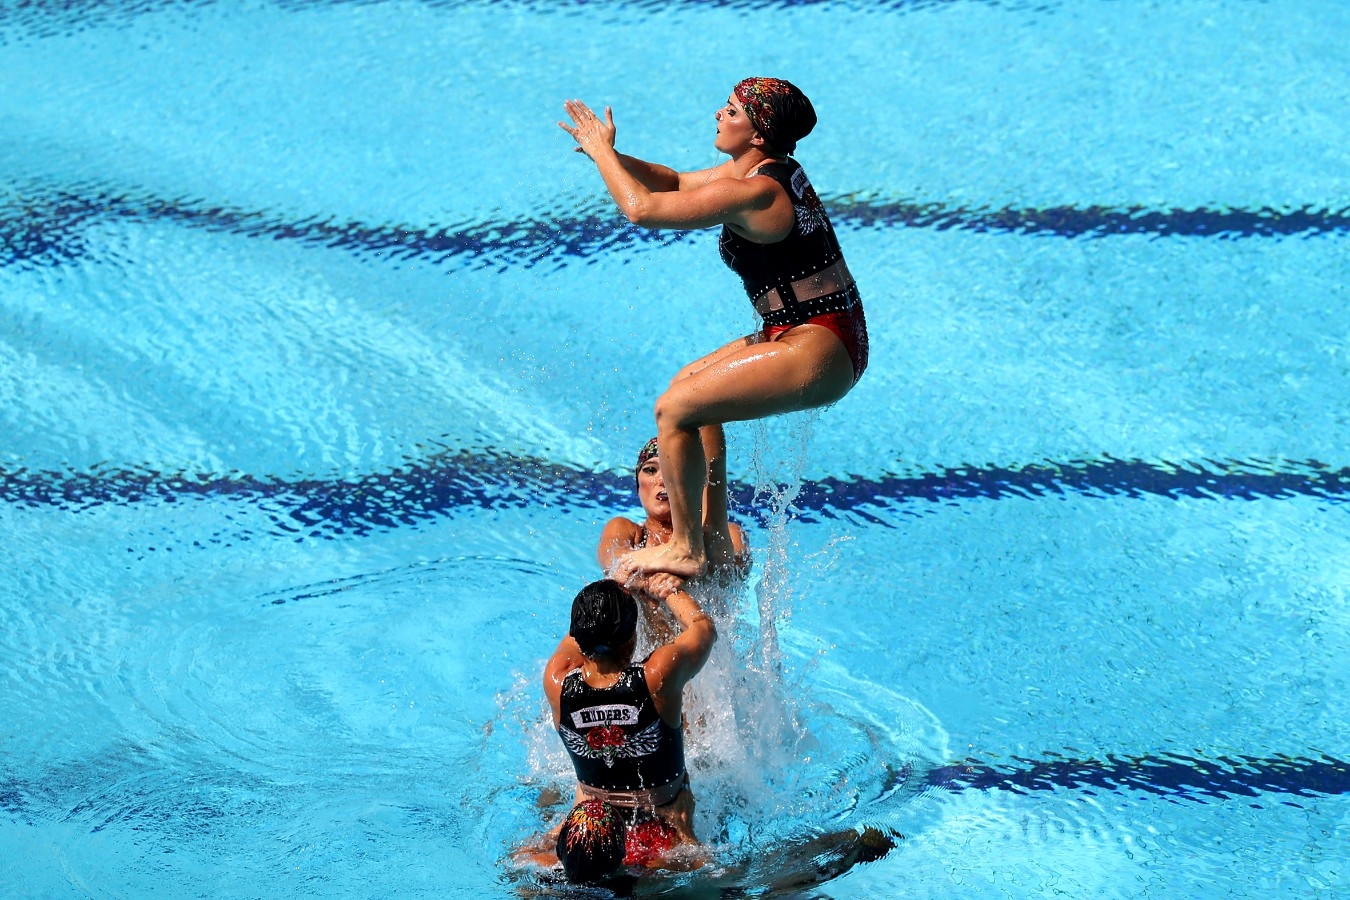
[638, 214]
[645, 212]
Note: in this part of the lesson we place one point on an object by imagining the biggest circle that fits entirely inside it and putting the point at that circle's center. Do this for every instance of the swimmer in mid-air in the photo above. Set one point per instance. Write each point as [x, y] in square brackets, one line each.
[777, 237]
[621, 721]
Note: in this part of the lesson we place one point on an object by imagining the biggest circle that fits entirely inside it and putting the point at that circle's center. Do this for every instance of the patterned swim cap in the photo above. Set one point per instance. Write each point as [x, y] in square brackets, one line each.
[648, 450]
[778, 110]
[591, 842]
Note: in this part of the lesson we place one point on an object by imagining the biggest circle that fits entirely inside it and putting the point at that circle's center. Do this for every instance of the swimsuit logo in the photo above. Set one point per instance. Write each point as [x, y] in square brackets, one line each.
[810, 211]
[606, 737]
[610, 742]
[612, 714]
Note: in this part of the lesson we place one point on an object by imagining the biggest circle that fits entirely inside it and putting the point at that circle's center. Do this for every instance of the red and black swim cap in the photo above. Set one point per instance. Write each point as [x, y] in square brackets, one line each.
[778, 110]
[591, 842]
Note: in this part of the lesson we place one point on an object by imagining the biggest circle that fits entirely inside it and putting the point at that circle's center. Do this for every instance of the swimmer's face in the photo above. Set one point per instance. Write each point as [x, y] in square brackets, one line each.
[652, 489]
[734, 130]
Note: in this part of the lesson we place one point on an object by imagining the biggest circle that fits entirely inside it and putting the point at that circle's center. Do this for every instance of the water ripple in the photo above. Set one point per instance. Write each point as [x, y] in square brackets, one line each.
[53, 18]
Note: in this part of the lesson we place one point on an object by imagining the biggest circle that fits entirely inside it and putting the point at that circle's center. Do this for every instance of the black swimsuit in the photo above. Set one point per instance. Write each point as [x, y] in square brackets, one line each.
[776, 276]
[616, 738]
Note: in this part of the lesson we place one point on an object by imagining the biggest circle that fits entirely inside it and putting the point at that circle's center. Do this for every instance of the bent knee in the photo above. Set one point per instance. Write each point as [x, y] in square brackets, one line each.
[677, 409]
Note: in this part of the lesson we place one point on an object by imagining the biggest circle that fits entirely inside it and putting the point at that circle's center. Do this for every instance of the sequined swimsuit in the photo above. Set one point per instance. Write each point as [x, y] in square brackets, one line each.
[803, 278]
[617, 740]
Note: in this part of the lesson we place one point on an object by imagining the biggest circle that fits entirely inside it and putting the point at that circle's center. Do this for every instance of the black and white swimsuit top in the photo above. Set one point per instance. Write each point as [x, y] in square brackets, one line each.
[615, 737]
[802, 275]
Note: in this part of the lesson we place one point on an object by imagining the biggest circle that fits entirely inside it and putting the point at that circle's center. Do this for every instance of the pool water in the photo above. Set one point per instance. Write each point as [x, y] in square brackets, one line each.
[323, 360]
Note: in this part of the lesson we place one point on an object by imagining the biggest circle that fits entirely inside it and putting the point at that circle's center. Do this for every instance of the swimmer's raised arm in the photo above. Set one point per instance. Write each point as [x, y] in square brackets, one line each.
[671, 666]
[654, 176]
[758, 206]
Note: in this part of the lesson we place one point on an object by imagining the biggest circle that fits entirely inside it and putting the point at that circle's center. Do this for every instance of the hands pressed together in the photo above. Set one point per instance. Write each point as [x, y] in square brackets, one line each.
[590, 131]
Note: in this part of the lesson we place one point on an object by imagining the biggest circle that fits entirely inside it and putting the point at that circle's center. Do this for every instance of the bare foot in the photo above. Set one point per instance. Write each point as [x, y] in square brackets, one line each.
[661, 558]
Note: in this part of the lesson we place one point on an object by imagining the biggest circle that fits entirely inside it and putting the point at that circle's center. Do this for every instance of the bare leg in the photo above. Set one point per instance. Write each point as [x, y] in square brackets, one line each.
[682, 456]
[805, 368]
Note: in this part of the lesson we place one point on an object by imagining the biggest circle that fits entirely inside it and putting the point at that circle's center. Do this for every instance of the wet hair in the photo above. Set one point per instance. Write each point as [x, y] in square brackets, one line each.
[778, 110]
[604, 618]
[591, 842]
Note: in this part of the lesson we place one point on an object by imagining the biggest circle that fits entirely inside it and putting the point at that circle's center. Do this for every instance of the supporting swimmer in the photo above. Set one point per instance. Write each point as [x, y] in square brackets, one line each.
[622, 721]
[591, 842]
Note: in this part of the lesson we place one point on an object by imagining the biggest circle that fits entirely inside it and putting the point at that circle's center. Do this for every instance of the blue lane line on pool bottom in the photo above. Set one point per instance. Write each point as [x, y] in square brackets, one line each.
[43, 228]
[443, 484]
[1171, 776]
[1194, 779]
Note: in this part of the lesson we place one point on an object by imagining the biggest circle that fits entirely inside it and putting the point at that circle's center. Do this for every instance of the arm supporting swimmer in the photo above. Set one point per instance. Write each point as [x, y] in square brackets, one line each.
[717, 538]
[619, 536]
[565, 658]
[672, 666]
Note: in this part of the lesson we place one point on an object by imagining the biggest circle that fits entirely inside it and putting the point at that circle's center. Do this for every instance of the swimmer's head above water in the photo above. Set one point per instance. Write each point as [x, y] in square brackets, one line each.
[604, 619]
[778, 110]
[591, 842]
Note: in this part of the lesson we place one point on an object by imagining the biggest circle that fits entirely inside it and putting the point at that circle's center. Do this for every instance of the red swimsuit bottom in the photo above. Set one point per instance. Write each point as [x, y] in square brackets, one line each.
[647, 841]
[850, 326]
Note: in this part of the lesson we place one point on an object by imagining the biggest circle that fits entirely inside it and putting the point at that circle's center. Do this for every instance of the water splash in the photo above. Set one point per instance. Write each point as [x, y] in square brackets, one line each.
[788, 755]
[781, 451]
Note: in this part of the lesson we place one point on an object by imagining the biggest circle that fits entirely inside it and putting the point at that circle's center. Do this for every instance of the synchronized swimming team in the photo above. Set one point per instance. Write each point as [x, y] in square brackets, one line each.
[620, 720]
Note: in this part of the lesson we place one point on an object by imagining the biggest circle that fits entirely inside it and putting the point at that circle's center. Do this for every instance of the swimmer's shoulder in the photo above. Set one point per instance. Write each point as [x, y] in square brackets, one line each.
[620, 535]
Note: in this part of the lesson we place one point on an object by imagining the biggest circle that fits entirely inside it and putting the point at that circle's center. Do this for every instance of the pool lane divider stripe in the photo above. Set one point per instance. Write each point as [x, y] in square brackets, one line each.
[1171, 776]
[445, 483]
[47, 228]
[1194, 779]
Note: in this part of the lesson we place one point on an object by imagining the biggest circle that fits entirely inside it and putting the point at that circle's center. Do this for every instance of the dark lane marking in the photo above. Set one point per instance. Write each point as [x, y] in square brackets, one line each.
[1095, 221]
[443, 484]
[1195, 779]
[49, 228]
[1190, 778]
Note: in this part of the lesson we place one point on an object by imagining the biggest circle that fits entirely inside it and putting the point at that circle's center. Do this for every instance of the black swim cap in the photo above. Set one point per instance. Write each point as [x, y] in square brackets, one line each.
[604, 618]
[591, 842]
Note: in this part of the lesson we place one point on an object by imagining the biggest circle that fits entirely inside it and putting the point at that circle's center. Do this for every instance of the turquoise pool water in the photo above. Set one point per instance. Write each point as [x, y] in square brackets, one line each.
[323, 360]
